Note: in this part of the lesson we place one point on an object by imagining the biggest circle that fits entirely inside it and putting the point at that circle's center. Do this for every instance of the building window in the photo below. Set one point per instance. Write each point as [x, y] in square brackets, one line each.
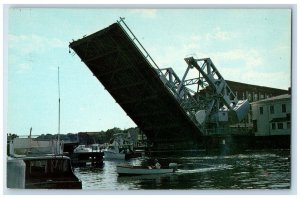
[255, 125]
[280, 125]
[261, 110]
[272, 109]
[288, 125]
[255, 97]
[283, 108]
[250, 97]
[273, 126]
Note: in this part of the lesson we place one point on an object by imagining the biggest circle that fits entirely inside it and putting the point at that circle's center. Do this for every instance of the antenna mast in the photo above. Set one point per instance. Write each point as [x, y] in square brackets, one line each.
[58, 136]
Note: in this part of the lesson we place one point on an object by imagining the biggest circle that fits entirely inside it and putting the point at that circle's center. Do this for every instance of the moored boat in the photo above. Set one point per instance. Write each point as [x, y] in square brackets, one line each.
[113, 152]
[87, 149]
[120, 149]
[31, 165]
[87, 155]
[43, 172]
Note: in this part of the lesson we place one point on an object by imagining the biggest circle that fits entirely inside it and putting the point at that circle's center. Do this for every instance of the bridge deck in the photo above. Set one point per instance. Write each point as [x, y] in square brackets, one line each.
[135, 85]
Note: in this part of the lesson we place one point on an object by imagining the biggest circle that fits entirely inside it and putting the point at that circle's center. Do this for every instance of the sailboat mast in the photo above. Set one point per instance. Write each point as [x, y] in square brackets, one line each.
[58, 136]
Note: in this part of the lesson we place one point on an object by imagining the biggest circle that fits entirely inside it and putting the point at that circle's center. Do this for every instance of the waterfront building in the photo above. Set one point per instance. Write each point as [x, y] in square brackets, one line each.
[254, 92]
[272, 116]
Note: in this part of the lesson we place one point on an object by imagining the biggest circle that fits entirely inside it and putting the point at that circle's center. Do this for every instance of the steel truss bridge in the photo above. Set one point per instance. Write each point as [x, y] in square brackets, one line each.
[162, 105]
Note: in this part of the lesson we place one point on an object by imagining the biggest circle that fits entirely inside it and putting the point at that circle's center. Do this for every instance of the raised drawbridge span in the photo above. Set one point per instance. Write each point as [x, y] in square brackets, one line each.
[157, 100]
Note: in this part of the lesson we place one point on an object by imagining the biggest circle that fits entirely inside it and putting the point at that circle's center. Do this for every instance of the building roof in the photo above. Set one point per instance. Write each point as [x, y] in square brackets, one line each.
[253, 86]
[279, 97]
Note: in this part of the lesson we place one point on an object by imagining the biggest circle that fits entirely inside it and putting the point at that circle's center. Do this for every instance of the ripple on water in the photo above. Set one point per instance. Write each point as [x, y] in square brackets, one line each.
[254, 170]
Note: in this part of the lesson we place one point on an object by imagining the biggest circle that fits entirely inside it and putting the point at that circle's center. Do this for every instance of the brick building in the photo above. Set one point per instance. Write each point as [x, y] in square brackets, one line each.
[253, 92]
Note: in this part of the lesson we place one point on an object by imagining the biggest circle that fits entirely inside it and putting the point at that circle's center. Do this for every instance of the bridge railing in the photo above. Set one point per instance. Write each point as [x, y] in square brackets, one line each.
[137, 43]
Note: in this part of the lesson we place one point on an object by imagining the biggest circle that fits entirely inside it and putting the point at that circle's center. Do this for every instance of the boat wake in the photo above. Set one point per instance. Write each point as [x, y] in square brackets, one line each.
[201, 170]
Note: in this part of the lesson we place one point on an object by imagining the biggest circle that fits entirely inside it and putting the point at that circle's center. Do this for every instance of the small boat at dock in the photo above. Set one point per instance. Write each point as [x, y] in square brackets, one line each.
[121, 148]
[35, 164]
[89, 148]
[113, 152]
[42, 172]
[87, 155]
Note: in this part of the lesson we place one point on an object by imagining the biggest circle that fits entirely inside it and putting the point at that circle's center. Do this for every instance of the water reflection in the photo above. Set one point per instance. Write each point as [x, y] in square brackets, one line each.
[254, 170]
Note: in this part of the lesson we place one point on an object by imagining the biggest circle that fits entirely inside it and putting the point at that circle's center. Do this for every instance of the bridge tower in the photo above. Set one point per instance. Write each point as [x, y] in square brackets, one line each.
[164, 107]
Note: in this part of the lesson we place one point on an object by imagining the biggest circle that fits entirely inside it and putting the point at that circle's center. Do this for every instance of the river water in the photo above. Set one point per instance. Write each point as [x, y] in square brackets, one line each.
[250, 170]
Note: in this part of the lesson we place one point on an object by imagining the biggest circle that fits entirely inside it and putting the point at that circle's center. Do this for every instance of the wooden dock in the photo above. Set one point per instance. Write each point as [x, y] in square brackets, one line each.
[87, 158]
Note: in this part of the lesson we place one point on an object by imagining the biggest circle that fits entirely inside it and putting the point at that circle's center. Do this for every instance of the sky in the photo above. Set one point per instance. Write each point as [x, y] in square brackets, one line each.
[246, 45]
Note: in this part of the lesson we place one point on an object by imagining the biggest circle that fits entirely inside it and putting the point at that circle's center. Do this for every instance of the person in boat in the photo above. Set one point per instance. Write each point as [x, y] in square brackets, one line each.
[156, 165]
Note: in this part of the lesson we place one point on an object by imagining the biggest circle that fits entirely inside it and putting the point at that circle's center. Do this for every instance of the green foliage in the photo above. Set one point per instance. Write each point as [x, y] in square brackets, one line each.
[100, 137]
[11, 136]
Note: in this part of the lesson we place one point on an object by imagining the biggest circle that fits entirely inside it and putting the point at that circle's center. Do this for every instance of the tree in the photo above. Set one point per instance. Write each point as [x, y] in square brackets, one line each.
[11, 136]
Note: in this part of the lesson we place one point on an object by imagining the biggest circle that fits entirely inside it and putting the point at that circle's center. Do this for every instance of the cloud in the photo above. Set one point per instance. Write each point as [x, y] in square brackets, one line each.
[148, 13]
[25, 50]
[250, 66]
[270, 79]
[217, 34]
[221, 35]
[23, 67]
[173, 56]
[247, 65]
[26, 44]
[250, 57]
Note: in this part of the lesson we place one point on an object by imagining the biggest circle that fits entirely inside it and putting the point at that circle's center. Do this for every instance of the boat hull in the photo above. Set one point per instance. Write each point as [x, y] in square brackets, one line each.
[42, 172]
[55, 184]
[113, 155]
[130, 170]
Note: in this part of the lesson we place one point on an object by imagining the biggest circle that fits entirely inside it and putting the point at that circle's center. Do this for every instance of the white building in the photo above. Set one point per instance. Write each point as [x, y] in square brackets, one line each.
[26, 146]
[272, 116]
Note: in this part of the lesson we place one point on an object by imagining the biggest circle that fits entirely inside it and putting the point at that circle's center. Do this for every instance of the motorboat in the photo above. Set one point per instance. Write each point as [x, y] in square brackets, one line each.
[84, 155]
[42, 172]
[87, 148]
[82, 149]
[113, 152]
[119, 149]
[34, 164]
[140, 170]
